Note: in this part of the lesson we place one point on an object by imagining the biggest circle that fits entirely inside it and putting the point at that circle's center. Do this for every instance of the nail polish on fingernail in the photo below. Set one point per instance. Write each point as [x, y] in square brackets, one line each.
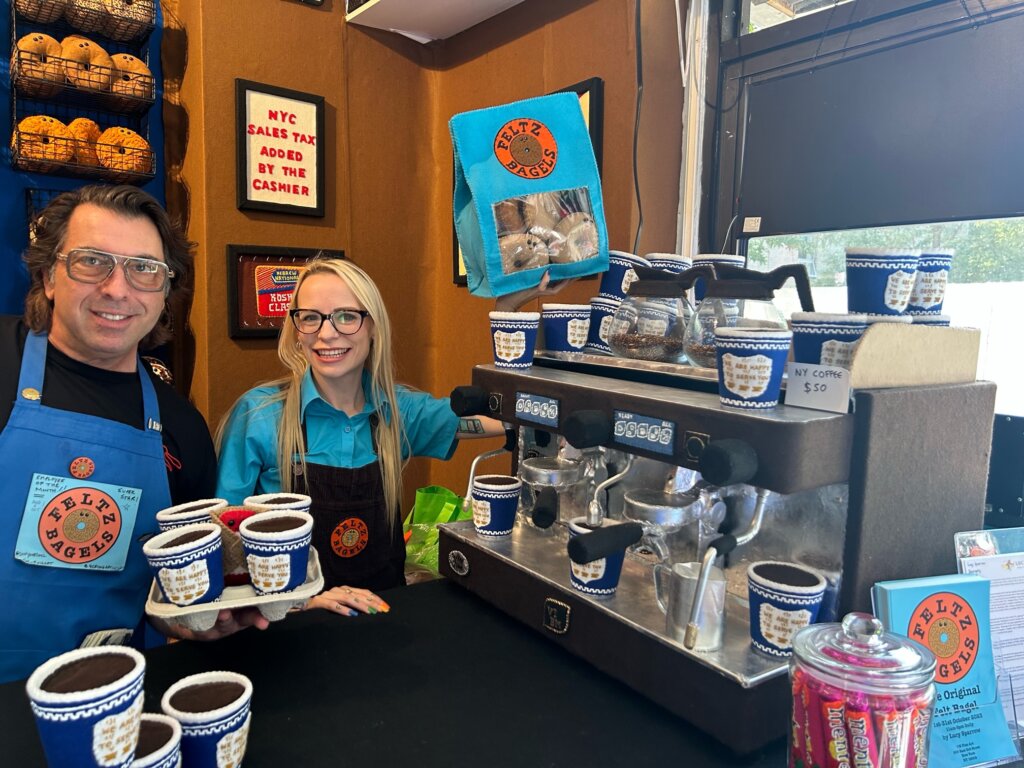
[352, 612]
[385, 608]
[371, 609]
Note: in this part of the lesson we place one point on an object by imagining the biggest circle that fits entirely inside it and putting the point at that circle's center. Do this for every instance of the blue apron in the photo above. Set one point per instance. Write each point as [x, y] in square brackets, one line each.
[80, 494]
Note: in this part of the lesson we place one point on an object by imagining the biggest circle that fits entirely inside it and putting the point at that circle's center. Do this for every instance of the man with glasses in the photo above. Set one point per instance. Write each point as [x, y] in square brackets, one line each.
[92, 443]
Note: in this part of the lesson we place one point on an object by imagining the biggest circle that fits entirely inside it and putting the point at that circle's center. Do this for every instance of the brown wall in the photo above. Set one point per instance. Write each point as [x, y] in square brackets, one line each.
[389, 163]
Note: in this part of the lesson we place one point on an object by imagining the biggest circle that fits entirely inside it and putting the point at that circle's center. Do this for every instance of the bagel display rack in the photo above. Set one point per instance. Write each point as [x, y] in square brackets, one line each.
[112, 140]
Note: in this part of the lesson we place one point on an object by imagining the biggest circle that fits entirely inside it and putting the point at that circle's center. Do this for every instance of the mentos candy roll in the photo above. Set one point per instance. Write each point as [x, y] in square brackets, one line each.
[863, 744]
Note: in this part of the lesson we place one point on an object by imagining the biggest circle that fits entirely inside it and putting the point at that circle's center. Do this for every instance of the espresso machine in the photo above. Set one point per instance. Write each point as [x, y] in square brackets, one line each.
[873, 494]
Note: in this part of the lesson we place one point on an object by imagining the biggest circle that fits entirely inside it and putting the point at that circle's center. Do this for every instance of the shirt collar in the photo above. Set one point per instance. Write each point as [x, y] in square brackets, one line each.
[310, 393]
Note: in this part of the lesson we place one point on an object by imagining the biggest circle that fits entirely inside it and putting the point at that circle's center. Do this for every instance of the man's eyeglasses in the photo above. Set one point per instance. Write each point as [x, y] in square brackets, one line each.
[86, 265]
[345, 321]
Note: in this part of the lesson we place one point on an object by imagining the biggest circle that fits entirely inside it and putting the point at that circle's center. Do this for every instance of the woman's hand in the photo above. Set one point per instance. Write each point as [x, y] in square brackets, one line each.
[348, 601]
[513, 301]
[228, 622]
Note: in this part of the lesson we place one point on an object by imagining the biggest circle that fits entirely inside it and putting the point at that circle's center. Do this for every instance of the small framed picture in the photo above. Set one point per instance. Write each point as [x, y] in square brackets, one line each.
[261, 281]
[280, 149]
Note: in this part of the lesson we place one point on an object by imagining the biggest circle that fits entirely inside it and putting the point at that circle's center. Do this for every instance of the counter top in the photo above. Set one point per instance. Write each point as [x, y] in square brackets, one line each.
[438, 681]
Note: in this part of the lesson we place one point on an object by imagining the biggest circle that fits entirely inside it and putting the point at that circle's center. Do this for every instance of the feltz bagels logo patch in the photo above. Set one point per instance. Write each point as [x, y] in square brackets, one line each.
[945, 623]
[350, 537]
[79, 525]
[526, 147]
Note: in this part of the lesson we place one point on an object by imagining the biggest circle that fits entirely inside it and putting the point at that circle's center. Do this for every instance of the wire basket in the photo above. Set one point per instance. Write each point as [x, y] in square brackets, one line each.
[129, 19]
[64, 155]
[41, 11]
[50, 77]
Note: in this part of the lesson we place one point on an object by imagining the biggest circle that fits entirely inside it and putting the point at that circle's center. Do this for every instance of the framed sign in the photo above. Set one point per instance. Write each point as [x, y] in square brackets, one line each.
[591, 96]
[280, 149]
[261, 282]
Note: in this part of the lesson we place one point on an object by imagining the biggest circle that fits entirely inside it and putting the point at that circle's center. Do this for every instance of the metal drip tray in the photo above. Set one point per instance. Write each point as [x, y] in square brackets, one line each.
[667, 511]
[542, 554]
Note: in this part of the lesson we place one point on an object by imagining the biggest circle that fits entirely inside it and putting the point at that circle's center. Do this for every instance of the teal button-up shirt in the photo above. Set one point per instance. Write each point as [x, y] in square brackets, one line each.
[248, 458]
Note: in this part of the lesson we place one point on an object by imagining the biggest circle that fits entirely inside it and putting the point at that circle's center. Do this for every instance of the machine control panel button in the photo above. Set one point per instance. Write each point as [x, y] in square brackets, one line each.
[458, 562]
[646, 432]
[556, 616]
[494, 403]
[537, 409]
[694, 444]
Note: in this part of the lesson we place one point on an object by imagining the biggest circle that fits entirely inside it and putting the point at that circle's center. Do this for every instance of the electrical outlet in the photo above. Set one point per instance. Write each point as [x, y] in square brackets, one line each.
[752, 224]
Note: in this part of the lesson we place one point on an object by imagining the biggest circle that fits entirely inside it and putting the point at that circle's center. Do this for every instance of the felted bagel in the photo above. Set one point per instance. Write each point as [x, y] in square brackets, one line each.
[122, 149]
[42, 11]
[87, 65]
[85, 133]
[541, 210]
[579, 238]
[519, 252]
[131, 77]
[41, 141]
[36, 62]
[508, 216]
[86, 15]
[128, 19]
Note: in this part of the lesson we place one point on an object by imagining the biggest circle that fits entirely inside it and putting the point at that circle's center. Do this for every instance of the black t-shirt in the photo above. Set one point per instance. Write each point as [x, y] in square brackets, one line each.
[74, 386]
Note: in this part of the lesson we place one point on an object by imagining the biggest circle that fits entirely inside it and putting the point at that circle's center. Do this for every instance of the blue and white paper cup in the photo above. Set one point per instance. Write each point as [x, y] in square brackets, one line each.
[87, 705]
[200, 511]
[930, 283]
[495, 500]
[187, 563]
[213, 711]
[937, 320]
[602, 312]
[879, 281]
[669, 262]
[565, 326]
[784, 598]
[750, 366]
[276, 546]
[265, 502]
[715, 260]
[159, 742]
[821, 338]
[598, 577]
[620, 275]
[514, 338]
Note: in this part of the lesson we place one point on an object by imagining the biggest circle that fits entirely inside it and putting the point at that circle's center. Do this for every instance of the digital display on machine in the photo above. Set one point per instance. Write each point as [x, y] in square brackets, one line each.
[537, 409]
[646, 432]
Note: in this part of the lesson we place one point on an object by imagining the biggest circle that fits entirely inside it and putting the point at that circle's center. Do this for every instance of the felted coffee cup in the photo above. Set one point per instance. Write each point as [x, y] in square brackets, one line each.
[264, 502]
[276, 548]
[750, 366]
[930, 283]
[879, 281]
[602, 313]
[87, 705]
[213, 711]
[187, 564]
[784, 597]
[598, 577]
[159, 742]
[821, 338]
[495, 500]
[200, 511]
[668, 262]
[514, 338]
[620, 275]
[565, 326]
[714, 260]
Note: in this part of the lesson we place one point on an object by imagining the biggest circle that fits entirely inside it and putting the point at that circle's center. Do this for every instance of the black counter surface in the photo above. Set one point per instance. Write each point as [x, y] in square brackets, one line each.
[444, 679]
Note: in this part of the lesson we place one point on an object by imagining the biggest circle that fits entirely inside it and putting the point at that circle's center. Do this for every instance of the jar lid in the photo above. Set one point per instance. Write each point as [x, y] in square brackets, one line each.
[860, 651]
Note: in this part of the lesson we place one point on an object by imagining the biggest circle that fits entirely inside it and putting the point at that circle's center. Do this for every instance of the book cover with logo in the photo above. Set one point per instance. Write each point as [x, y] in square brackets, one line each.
[950, 616]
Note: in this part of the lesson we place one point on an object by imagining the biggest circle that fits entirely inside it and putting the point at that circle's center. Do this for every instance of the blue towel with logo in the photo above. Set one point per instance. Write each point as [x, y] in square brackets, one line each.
[527, 195]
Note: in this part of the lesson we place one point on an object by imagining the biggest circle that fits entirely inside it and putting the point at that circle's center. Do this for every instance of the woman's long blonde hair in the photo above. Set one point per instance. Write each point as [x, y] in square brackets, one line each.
[380, 363]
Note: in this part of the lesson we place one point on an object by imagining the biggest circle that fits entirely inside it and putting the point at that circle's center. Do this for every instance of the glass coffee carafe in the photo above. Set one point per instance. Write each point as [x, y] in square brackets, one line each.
[741, 298]
[651, 321]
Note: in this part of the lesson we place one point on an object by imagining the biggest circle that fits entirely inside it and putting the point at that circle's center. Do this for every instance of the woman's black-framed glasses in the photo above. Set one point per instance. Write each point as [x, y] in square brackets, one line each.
[345, 321]
[87, 265]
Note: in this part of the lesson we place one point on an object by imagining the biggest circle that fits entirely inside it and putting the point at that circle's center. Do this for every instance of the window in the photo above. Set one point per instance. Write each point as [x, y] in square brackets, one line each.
[761, 14]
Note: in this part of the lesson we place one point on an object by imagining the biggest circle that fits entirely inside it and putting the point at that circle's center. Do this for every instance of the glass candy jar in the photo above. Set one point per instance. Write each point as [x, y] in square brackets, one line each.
[861, 696]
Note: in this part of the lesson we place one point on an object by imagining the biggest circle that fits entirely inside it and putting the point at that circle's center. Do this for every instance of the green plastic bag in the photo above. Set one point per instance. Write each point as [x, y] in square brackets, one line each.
[434, 504]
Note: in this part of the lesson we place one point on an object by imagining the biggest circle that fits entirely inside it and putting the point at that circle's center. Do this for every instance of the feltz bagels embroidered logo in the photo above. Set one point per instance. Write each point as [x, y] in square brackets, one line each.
[79, 525]
[350, 537]
[526, 147]
[945, 623]
[82, 467]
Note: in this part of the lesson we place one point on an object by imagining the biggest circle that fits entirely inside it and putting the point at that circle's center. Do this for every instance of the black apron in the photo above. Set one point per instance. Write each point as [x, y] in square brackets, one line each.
[351, 531]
